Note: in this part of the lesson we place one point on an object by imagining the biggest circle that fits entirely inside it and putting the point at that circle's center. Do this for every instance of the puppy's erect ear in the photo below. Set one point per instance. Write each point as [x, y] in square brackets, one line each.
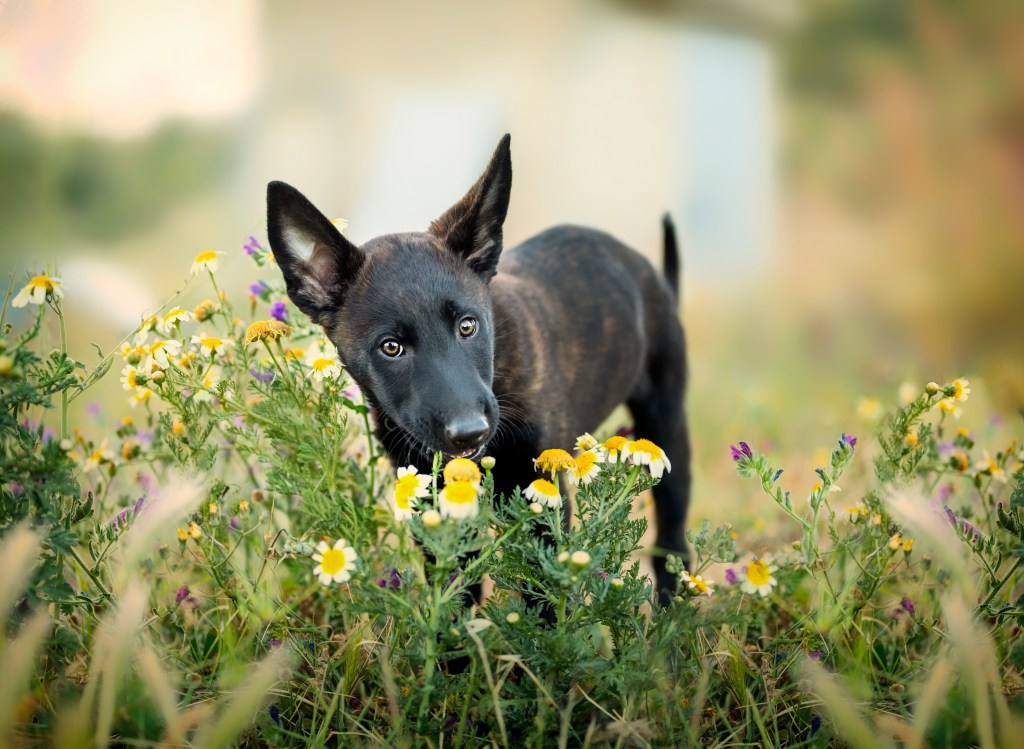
[317, 262]
[472, 227]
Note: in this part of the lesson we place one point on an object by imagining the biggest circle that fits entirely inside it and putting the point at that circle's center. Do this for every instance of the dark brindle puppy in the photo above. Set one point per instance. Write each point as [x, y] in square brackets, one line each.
[466, 355]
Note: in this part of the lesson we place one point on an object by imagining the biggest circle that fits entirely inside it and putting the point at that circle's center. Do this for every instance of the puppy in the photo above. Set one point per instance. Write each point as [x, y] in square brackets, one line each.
[468, 350]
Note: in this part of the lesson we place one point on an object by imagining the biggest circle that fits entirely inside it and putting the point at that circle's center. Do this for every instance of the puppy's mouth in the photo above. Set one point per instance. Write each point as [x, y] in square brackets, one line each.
[471, 454]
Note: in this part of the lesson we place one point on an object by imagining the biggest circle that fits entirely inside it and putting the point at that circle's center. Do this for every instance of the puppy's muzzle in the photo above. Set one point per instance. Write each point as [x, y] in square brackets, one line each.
[465, 435]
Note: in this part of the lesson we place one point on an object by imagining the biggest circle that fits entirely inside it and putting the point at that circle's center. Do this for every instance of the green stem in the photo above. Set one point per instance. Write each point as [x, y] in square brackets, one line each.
[999, 584]
[92, 575]
[64, 350]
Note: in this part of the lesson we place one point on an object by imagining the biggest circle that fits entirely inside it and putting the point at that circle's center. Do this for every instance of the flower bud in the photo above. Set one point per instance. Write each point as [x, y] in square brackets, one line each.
[512, 617]
[580, 558]
[431, 519]
[932, 388]
[536, 508]
[616, 582]
[487, 462]
[6, 365]
[66, 445]
[563, 557]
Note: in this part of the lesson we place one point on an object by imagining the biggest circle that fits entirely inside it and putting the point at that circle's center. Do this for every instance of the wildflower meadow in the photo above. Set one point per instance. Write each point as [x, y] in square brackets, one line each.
[233, 562]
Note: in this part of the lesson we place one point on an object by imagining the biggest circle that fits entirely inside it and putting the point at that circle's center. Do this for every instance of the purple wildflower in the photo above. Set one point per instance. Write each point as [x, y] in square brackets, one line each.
[251, 246]
[907, 605]
[816, 655]
[776, 476]
[259, 288]
[740, 452]
[49, 435]
[601, 574]
[273, 643]
[233, 525]
[815, 724]
[262, 375]
[279, 312]
[391, 578]
[851, 441]
[731, 577]
[138, 504]
[183, 593]
[952, 516]
[275, 714]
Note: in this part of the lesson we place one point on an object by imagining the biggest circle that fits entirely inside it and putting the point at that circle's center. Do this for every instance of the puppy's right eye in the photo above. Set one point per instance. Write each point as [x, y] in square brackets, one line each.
[391, 348]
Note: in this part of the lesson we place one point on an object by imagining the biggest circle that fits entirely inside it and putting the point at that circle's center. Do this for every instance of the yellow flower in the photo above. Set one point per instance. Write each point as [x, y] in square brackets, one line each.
[857, 512]
[459, 500]
[544, 492]
[586, 441]
[182, 535]
[960, 389]
[462, 469]
[409, 487]
[896, 541]
[266, 330]
[645, 452]
[177, 427]
[336, 562]
[959, 460]
[869, 409]
[323, 365]
[912, 437]
[206, 260]
[554, 461]
[212, 507]
[205, 310]
[616, 447]
[130, 378]
[908, 545]
[243, 506]
[37, 289]
[194, 531]
[586, 468]
[697, 585]
[161, 351]
[949, 406]
[210, 345]
[758, 578]
[991, 467]
[173, 318]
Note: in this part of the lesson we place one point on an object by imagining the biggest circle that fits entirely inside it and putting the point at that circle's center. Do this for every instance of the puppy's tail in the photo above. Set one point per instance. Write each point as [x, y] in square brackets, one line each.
[670, 260]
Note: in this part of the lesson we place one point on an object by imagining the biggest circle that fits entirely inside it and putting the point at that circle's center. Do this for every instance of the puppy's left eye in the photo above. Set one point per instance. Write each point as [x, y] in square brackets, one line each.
[467, 327]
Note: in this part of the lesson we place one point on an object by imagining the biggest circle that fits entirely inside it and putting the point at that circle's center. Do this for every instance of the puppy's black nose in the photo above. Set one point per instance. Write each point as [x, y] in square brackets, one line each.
[466, 433]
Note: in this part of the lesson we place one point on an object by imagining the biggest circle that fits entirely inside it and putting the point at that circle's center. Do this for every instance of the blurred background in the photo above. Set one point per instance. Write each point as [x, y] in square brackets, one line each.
[847, 178]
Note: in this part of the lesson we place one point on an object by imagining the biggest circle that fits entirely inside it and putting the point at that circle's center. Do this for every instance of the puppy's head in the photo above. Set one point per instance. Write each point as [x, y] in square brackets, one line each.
[410, 314]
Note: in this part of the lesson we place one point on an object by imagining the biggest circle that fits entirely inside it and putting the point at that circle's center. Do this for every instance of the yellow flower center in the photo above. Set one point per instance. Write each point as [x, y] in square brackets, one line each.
[266, 330]
[333, 561]
[132, 382]
[461, 469]
[460, 493]
[758, 573]
[646, 446]
[699, 584]
[211, 343]
[584, 462]
[319, 365]
[174, 314]
[405, 489]
[206, 257]
[614, 444]
[555, 460]
[42, 282]
[545, 487]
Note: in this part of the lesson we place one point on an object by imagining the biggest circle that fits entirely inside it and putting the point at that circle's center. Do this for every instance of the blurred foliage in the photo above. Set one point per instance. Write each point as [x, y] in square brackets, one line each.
[58, 187]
